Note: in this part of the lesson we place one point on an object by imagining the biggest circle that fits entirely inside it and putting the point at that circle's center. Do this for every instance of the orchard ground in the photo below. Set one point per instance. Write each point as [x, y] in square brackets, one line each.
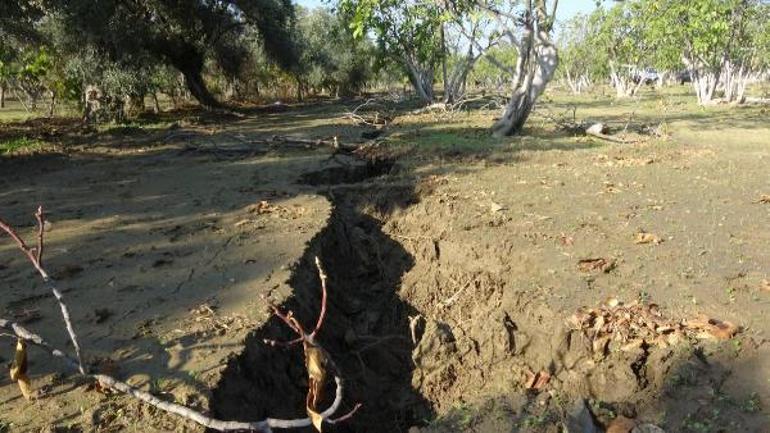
[166, 232]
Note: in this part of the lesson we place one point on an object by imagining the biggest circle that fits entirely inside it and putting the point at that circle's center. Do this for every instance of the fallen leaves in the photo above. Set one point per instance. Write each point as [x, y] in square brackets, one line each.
[496, 207]
[647, 238]
[764, 285]
[262, 207]
[19, 369]
[615, 326]
[710, 328]
[537, 381]
[621, 424]
[599, 264]
[763, 199]
[315, 362]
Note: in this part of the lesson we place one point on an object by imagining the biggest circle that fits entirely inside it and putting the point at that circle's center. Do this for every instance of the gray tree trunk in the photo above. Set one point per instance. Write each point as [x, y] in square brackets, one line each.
[155, 103]
[52, 107]
[422, 81]
[535, 68]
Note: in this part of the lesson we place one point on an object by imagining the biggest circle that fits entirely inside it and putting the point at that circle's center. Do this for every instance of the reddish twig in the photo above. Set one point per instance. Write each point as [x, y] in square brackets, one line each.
[275, 343]
[19, 241]
[265, 426]
[36, 258]
[322, 314]
[40, 217]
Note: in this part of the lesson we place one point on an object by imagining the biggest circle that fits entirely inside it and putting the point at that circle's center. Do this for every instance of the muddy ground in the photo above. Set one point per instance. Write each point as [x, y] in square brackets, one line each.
[164, 241]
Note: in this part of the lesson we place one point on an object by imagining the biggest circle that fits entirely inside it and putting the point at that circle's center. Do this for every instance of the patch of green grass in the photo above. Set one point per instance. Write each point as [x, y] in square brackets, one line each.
[536, 420]
[752, 404]
[20, 145]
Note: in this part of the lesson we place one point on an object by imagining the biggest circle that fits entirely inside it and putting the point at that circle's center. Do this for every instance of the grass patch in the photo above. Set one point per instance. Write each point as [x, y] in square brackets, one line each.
[20, 145]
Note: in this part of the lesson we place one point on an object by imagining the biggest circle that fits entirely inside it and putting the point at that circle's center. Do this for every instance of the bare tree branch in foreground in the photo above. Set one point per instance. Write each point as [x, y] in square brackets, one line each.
[317, 359]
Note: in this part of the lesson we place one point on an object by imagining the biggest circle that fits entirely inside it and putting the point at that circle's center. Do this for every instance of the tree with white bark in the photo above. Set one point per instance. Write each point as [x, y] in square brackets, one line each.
[580, 65]
[406, 32]
[527, 28]
[468, 37]
[718, 41]
[619, 46]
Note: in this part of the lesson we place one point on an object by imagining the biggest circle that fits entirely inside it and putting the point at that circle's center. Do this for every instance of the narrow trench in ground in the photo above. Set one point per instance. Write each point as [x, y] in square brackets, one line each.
[367, 324]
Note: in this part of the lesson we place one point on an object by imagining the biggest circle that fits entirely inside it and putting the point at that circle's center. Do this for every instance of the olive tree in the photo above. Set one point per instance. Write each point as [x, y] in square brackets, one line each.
[580, 64]
[529, 32]
[711, 35]
[406, 31]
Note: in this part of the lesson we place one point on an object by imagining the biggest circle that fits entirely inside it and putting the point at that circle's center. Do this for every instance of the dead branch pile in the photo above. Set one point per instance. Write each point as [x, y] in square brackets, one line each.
[318, 362]
[614, 326]
[371, 113]
[255, 146]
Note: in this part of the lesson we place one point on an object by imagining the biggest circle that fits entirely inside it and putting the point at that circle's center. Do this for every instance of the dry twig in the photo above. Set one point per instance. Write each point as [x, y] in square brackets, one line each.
[317, 359]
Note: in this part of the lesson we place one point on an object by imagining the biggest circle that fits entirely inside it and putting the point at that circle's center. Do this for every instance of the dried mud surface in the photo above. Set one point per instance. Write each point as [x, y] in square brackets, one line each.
[452, 283]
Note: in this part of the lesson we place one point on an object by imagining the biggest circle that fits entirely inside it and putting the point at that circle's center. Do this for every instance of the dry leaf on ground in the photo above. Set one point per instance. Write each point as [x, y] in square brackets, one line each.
[647, 238]
[19, 369]
[764, 285]
[614, 326]
[621, 424]
[710, 328]
[597, 264]
[647, 428]
[315, 362]
[764, 198]
[261, 208]
[537, 381]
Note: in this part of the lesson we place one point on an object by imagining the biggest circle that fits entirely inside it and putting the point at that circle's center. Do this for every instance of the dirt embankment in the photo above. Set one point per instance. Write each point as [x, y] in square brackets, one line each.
[435, 325]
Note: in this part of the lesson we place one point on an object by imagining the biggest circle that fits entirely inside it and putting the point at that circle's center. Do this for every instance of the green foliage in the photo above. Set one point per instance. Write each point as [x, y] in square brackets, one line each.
[488, 74]
[403, 29]
[578, 53]
[330, 57]
[702, 30]
[20, 145]
[616, 35]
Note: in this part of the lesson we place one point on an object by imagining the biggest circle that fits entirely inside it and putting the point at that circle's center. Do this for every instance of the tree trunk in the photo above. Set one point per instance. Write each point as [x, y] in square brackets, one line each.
[515, 115]
[197, 87]
[421, 77]
[156, 104]
[299, 90]
[535, 68]
[52, 106]
[443, 64]
[422, 82]
[704, 80]
[2, 95]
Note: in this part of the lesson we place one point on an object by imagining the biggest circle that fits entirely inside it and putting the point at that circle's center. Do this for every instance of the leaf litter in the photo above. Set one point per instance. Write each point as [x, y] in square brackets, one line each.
[617, 326]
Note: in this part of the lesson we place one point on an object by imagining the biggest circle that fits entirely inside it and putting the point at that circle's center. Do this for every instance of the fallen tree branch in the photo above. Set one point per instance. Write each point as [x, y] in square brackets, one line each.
[317, 358]
[36, 257]
[262, 145]
[183, 411]
[371, 117]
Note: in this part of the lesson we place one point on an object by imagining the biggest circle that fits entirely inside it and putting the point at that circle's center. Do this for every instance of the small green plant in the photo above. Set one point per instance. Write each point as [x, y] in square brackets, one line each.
[20, 144]
[731, 294]
[752, 404]
[697, 424]
[535, 420]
